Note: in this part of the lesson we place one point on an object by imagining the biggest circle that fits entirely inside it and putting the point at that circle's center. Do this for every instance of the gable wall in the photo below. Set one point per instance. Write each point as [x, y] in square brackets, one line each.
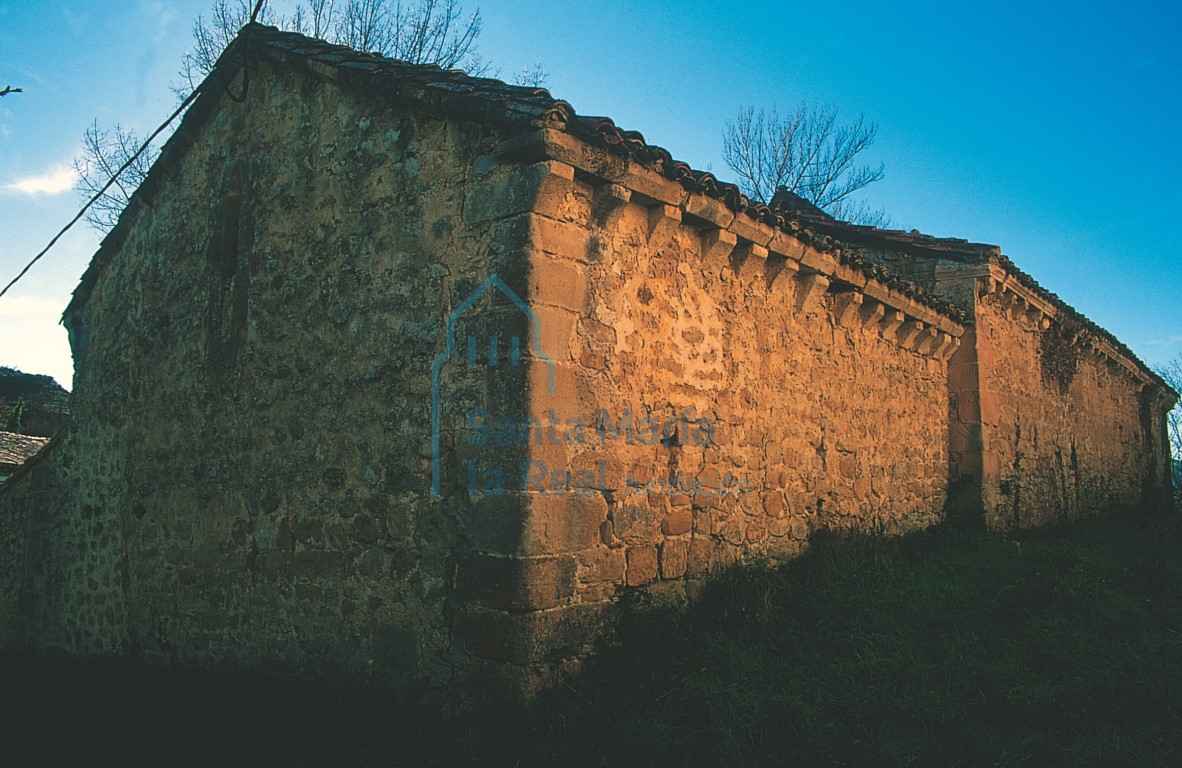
[248, 476]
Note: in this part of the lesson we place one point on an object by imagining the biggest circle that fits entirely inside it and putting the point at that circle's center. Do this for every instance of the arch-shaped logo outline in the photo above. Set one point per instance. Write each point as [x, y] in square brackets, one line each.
[493, 281]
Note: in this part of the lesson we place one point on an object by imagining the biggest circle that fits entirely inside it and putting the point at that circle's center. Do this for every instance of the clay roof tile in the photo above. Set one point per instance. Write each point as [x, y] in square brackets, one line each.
[16, 449]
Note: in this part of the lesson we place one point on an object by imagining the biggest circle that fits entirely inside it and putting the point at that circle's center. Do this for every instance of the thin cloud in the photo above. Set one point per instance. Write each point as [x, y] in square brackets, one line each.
[1165, 342]
[164, 14]
[58, 179]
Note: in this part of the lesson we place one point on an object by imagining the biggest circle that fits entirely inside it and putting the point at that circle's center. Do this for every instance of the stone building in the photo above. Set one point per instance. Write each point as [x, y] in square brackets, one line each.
[391, 370]
[15, 450]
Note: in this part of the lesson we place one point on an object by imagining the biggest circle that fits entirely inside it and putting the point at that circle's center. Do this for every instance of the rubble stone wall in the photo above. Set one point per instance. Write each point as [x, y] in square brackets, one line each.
[248, 477]
[1066, 431]
[65, 584]
[711, 403]
[1050, 421]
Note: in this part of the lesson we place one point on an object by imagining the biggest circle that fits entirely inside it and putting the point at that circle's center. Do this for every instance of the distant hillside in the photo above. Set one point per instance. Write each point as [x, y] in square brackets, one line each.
[46, 404]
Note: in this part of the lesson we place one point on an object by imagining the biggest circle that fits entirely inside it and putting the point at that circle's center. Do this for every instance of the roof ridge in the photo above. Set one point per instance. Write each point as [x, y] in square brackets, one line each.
[536, 107]
[527, 107]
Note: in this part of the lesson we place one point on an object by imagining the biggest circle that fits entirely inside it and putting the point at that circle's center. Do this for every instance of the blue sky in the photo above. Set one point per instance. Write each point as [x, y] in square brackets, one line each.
[1049, 129]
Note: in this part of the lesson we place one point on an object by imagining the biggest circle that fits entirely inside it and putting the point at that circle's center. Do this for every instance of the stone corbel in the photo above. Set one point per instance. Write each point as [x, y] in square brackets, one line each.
[1163, 400]
[891, 320]
[942, 342]
[609, 203]
[909, 334]
[928, 341]
[997, 285]
[748, 260]
[847, 309]
[663, 221]
[717, 245]
[1015, 306]
[556, 181]
[780, 272]
[949, 349]
[986, 288]
[1002, 298]
[810, 287]
[872, 313]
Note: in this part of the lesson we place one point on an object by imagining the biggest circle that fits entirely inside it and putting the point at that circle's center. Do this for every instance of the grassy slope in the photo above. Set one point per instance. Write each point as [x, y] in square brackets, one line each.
[1058, 647]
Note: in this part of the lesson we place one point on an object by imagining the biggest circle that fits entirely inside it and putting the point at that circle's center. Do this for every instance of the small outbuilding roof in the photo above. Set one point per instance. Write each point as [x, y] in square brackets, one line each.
[16, 449]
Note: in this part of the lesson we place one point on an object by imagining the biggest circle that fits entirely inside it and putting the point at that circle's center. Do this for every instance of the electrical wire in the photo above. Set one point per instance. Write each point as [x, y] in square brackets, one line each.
[143, 147]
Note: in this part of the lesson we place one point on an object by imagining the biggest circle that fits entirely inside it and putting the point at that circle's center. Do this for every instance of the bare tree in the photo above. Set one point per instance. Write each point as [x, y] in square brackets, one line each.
[1172, 373]
[103, 153]
[808, 153]
[858, 212]
[369, 25]
[210, 37]
[315, 18]
[533, 76]
[433, 32]
[418, 32]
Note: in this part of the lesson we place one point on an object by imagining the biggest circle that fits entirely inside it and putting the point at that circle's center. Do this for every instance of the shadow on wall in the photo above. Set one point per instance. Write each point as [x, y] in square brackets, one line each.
[930, 646]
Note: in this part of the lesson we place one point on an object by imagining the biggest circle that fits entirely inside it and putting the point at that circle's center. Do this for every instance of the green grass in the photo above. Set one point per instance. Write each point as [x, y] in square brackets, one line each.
[1056, 647]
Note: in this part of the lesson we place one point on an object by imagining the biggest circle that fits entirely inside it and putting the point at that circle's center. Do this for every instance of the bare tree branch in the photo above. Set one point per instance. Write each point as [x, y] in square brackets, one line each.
[1172, 373]
[103, 153]
[532, 76]
[416, 31]
[210, 38]
[368, 25]
[315, 18]
[858, 212]
[808, 153]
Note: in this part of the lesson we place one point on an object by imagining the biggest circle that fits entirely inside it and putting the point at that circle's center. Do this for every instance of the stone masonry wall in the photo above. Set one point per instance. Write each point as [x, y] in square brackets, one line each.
[712, 401]
[248, 478]
[64, 576]
[1050, 421]
[365, 388]
[1066, 432]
